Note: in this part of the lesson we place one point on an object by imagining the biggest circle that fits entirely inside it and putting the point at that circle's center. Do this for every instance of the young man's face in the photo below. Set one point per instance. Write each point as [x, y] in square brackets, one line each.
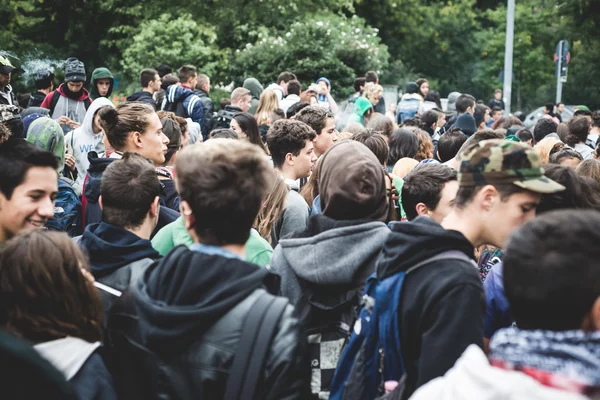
[560, 108]
[324, 139]
[154, 141]
[4, 79]
[504, 216]
[497, 115]
[75, 86]
[446, 202]
[486, 116]
[155, 84]
[245, 103]
[103, 85]
[31, 203]
[304, 162]
[498, 95]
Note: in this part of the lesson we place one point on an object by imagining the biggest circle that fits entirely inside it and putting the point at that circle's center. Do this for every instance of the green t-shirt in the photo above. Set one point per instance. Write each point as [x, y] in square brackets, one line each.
[258, 250]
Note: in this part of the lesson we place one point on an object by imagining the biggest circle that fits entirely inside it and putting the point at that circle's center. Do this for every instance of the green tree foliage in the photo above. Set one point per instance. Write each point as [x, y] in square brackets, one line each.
[174, 41]
[327, 45]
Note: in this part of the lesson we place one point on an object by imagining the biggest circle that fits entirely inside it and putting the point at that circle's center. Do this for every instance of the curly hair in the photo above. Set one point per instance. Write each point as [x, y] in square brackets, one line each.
[45, 294]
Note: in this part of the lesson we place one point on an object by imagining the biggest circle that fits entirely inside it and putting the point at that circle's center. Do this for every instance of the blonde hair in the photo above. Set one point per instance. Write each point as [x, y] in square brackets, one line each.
[425, 145]
[372, 89]
[404, 166]
[272, 208]
[238, 93]
[589, 168]
[544, 147]
[267, 104]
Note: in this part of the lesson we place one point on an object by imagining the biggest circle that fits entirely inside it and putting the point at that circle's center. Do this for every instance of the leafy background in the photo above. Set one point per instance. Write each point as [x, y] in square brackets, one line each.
[456, 44]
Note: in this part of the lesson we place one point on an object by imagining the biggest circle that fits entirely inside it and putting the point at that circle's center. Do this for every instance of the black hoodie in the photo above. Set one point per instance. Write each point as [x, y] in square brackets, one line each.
[143, 97]
[443, 304]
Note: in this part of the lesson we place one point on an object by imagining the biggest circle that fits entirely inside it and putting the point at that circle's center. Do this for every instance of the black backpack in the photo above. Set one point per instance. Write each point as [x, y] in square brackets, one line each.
[223, 119]
[177, 108]
[328, 314]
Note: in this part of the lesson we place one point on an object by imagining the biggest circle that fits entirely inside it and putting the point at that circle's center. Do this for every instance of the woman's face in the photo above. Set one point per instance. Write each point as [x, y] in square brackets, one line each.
[424, 88]
[236, 127]
[375, 97]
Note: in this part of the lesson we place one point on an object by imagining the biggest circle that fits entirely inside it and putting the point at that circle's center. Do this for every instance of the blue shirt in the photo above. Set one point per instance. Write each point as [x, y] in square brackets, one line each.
[213, 251]
[497, 312]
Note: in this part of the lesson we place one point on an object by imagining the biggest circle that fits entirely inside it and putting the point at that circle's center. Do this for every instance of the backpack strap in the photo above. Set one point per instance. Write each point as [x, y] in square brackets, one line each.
[54, 101]
[258, 331]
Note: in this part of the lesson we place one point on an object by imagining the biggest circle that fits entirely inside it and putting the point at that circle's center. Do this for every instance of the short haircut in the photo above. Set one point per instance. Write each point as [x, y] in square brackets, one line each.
[45, 296]
[43, 79]
[463, 102]
[295, 109]
[543, 127]
[549, 107]
[168, 80]
[525, 135]
[119, 122]
[288, 136]
[381, 124]
[450, 143]
[128, 188]
[186, 73]
[429, 118]
[579, 113]
[479, 114]
[403, 143]
[146, 76]
[371, 76]
[375, 142]
[202, 80]
[238, 93]
[163, 70]
[424, 184]
[224, 182]
[559, 156]
[286, 77]
[596, 119]
[223, 133]
[496, 109]
[294, 87]
[315, 117]
[497, 91]
[358, 83]
[17, 156]
[551, 276]
[579, 129]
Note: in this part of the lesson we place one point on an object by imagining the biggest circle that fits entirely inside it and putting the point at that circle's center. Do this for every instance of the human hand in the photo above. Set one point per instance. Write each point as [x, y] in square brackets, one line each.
[70, 161]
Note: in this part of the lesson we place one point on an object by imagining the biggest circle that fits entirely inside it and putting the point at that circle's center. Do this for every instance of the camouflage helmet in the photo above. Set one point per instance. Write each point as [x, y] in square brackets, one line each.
[500, 161]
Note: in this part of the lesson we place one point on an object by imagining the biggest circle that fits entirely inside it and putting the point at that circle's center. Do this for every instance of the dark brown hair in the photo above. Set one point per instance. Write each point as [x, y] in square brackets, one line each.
[375, 142]
[287, 136]
[45, 295]
[224, 182]
[186, 73]
[381, 124]
[119, 122]
[315, 117]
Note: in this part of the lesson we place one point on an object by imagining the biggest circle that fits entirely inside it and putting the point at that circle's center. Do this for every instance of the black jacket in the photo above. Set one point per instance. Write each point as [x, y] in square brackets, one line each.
[224, 117]
[443, 304]
[176, 333]
[496, 103]
[143, 97]
[209, 109]
[36, 99]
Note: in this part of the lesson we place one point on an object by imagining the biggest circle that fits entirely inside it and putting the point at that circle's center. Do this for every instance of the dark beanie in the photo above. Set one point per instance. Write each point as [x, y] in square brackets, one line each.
[74, 70]
[352, 183]
[412, 87]
[466, 123]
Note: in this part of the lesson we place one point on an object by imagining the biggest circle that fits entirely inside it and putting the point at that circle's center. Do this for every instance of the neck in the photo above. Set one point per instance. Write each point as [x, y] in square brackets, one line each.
[595, 130]
[144, 231]
[148, 90]
[287, 173]
[466, 223]
[3, 87]
[45, 91]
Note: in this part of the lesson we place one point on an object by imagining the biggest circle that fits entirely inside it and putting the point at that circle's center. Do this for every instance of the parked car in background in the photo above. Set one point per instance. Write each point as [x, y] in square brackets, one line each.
[532, 118]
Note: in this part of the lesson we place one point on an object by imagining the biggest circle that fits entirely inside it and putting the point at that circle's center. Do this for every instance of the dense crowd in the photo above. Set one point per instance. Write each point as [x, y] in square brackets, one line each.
[288, 246]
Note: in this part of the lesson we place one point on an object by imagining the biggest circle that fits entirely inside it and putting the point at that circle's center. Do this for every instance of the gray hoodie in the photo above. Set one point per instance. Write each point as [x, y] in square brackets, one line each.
[328, 252]
[256, 89]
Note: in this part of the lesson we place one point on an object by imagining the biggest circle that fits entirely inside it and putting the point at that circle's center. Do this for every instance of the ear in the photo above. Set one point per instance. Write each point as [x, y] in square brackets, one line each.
[100, 202]
[437, 153]
[487, 197]
[591, 322]
[189, 219]
[154, 208]
[422, 209]
[289, 159]
[136, 139]
[434, 125]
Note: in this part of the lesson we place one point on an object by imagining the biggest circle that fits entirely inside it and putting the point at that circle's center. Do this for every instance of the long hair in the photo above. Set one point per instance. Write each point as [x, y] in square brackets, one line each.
[249, 126]
[311, 189]
[267, 104]
[272, 208]
[45, 295]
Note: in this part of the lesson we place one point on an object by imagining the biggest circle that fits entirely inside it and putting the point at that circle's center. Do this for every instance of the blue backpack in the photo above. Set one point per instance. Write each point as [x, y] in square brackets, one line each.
[373, 354]
[67, 210]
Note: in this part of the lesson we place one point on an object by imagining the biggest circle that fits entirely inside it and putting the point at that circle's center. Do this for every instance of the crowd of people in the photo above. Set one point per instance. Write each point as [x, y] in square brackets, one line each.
[288, 246]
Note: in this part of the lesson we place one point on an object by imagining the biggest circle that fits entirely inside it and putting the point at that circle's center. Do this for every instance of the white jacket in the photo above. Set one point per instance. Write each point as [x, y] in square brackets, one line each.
[473, 378]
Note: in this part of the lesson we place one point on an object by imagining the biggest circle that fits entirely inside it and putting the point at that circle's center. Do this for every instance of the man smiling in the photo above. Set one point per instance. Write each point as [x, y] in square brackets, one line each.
[28, 187]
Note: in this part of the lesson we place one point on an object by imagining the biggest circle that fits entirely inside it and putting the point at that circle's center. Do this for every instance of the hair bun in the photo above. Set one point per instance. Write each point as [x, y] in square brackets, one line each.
[109, 117]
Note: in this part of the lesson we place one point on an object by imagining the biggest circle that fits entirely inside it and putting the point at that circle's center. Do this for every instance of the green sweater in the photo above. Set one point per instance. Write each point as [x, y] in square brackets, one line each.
[258, 250]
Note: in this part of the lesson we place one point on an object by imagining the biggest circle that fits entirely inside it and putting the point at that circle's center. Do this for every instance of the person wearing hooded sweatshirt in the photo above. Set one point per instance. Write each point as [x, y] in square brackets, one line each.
[49, 299]
[119, 247]
[256, 89]
[553, 353]
[362, 111]
[86, 138]
[443, 304]
[151, 82]
[102, 83]
[344, 243]
[181, 100]
[466, 123]
[69, 103]
[411, 103]
[325, 99]
[187, 312]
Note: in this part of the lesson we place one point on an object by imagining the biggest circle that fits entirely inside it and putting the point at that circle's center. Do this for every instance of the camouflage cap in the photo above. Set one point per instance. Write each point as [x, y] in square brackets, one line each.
[5, 65]
[500, 161]
[8, 112]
